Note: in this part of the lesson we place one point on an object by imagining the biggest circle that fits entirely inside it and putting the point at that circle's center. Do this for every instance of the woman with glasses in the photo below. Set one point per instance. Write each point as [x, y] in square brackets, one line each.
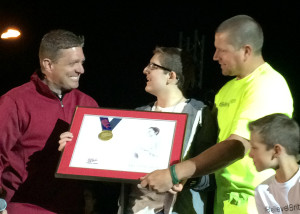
[169, 74]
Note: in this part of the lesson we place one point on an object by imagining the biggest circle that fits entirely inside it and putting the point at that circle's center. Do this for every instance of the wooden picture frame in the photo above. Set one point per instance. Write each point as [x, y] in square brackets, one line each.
[121, 145]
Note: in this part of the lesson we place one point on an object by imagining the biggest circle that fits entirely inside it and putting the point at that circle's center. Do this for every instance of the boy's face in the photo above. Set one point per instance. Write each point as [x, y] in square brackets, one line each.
[262, 157]
[157, 78]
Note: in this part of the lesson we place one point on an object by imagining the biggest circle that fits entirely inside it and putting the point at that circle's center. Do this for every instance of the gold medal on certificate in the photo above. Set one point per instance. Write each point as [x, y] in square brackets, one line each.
[105, 135]
[107, 127]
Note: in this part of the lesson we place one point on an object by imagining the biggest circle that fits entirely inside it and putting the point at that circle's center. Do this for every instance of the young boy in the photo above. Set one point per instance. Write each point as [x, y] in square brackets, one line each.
[275, 144]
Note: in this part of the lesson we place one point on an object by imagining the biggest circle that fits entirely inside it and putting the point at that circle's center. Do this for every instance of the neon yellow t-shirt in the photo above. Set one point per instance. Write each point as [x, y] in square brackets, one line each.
[262, 92]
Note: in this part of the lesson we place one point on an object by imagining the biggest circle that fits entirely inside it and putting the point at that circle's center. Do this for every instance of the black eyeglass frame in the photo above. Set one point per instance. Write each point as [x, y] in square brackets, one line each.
[152, 66]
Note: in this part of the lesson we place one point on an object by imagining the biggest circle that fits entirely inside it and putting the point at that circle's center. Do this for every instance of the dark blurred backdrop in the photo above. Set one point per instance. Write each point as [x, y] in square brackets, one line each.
[120, 37]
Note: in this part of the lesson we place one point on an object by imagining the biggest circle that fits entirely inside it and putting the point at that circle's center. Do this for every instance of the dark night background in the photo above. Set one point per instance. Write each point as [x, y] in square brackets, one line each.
[120, 38]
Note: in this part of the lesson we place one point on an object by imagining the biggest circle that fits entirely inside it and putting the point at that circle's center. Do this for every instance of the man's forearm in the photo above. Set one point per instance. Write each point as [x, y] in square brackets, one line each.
[212, 159]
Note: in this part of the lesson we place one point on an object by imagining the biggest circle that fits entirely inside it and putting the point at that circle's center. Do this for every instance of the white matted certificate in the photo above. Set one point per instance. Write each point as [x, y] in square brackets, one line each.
[111, 144]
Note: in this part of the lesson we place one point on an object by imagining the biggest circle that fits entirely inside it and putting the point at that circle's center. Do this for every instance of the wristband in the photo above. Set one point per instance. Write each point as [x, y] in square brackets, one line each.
[3, 204]
[174, 175]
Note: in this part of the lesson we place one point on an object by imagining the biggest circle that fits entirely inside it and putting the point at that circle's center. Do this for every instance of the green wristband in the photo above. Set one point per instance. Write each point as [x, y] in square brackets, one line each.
[174, 175]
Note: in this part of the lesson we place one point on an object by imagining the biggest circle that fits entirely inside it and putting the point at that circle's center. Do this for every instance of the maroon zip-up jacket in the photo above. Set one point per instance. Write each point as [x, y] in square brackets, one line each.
[31, 121]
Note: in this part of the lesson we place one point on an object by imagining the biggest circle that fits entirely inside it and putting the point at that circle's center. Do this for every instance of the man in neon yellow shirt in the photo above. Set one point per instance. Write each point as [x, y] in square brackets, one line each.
[257, 90]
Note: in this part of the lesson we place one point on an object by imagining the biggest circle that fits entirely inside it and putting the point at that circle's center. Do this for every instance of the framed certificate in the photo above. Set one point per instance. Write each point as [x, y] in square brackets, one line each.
[121, 145]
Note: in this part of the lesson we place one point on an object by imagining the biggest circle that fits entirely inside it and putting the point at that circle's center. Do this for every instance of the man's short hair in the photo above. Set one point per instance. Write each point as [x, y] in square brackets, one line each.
[243, 30]
[56, 40]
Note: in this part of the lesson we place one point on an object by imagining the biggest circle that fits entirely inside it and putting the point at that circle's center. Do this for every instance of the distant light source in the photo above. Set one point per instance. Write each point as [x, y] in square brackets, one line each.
[11, 33]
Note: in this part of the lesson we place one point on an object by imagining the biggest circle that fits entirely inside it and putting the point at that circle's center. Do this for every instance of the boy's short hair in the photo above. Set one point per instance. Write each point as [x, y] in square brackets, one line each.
[278, 129]
[181, 62]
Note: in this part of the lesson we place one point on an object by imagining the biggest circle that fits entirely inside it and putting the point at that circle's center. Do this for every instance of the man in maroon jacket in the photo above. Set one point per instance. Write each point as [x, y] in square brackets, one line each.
[32, 117]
